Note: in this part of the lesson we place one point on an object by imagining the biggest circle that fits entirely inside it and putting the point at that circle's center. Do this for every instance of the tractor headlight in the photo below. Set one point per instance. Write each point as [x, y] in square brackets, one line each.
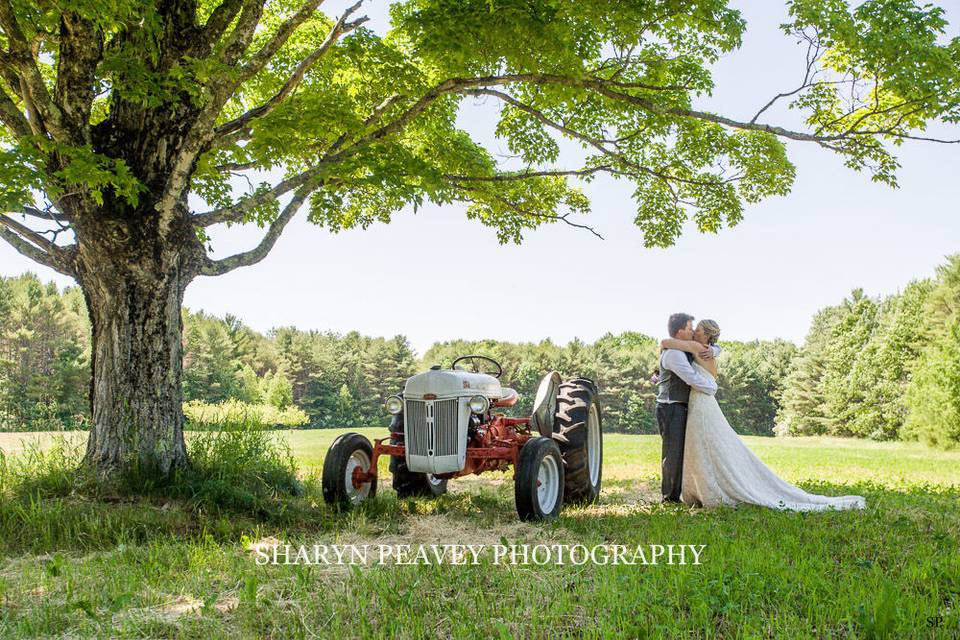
[479, 404]
[393, 405]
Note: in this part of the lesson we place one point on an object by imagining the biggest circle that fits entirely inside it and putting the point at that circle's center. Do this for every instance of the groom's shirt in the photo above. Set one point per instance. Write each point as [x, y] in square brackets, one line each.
[676, 361]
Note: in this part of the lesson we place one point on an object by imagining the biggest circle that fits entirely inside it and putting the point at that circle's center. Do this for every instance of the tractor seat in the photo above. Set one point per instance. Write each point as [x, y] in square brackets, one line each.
[508, 398]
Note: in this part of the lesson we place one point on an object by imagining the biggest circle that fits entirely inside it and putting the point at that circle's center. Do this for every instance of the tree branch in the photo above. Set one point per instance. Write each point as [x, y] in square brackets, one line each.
[533, 214]
[220, 267]
[283, 33]
[334, 154]
[236, 137]
[905, 136]
[81, 49]
[340, 28]
[590, 140]
[244, 31]
[218, 22]
[600, 86]
[201, 132]
[48, 215]
[34, 246]
[813, 55]
[381, 108]
[236, 212]
[13, 118]
[610, 90]
[527, 175]
[237, 166]
[466, 86]
[33, 87]
[9, 73]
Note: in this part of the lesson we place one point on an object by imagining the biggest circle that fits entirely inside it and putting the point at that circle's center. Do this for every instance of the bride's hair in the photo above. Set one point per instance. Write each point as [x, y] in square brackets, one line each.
[710, 329]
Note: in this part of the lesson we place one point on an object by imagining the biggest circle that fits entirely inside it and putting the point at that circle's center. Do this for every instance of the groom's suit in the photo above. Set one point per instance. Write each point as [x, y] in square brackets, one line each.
[677, 375]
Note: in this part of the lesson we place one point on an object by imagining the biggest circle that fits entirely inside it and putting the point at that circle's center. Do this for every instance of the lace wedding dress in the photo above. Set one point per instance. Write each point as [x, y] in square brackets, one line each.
[719, 469]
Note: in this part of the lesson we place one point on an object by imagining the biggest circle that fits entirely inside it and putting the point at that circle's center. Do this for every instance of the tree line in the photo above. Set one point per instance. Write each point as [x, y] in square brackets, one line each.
[881, 368]
[884, 369]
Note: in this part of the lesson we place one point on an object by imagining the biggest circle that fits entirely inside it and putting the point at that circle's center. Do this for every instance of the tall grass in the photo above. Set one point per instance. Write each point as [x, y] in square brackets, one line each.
[42, 471]
[220, 416]
[241, 466]
[241, 474]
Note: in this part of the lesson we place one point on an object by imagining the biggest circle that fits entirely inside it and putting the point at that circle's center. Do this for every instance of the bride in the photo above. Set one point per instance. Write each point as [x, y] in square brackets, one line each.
[718, 468]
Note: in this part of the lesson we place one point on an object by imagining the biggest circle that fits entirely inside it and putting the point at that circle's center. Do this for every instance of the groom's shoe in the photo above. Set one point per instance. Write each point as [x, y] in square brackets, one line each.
[666, 500]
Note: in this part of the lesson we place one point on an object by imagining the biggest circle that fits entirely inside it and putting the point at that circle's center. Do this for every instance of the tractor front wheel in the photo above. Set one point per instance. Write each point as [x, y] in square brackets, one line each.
[538, 482]
[348, 458]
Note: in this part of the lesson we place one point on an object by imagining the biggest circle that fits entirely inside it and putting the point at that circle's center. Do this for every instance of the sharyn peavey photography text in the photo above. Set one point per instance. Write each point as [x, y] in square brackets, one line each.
[474, 554]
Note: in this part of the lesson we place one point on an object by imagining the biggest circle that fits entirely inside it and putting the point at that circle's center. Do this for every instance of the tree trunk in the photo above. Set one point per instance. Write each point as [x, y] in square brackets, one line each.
[134, 292]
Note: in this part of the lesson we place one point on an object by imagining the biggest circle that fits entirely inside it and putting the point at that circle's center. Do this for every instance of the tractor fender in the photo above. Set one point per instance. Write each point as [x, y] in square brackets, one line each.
[545, 404]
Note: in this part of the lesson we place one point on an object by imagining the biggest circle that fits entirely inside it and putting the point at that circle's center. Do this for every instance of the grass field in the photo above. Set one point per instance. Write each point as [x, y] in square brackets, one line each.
[76, 567]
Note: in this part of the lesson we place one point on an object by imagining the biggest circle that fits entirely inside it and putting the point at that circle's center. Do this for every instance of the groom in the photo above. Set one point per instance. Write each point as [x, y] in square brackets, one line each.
[677, 375]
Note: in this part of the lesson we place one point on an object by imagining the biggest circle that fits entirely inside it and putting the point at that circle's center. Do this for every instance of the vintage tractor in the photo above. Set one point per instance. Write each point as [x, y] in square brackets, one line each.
[445, 425]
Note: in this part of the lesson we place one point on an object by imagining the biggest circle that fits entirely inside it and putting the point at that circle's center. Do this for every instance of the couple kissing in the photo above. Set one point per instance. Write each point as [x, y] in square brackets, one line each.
[704, 462]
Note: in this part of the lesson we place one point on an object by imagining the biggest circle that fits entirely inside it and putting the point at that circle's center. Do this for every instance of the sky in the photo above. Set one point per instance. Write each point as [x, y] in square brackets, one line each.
[434, 275]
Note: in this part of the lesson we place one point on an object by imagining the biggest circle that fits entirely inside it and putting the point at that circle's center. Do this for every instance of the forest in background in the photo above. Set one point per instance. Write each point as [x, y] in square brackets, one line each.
[884, 368]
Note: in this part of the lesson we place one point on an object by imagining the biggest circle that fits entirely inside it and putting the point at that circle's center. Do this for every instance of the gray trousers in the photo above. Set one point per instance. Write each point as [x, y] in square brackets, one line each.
[672, 422]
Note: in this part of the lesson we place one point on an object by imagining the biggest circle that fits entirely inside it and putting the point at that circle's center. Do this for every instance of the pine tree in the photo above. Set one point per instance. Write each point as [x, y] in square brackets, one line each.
[843, 397]
[278, 390]
[882, 369]
[44, 356]
[803, 409]
[933, 394]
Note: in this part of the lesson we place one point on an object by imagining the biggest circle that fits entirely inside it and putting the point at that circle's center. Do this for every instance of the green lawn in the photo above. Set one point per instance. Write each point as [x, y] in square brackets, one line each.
[155, 569]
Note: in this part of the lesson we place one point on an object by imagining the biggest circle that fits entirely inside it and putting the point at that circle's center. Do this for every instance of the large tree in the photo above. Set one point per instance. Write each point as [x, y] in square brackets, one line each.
[114, 113]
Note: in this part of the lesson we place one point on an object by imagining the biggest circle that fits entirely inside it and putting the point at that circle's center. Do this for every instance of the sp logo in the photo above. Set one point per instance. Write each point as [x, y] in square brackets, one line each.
[934, 621]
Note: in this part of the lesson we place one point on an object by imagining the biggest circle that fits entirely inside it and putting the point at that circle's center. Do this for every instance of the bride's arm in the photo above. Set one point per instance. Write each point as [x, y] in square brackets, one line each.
[710, 364]
[690, 346]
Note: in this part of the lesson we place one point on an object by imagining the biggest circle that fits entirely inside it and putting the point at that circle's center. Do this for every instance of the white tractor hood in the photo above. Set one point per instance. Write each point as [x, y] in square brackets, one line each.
[450, 383]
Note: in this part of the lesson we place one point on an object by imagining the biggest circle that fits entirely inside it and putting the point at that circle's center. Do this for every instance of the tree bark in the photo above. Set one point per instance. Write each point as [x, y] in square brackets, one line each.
[133, 282]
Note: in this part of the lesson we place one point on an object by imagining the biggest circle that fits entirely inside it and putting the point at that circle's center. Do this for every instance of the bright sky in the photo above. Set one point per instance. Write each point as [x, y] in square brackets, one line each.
[434, 275]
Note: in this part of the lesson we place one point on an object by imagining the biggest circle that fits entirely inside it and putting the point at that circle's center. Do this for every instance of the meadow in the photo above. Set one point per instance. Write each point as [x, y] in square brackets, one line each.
[76, 565]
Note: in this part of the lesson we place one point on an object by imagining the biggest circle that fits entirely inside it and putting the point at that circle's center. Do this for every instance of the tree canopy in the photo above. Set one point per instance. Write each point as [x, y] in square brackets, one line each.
[363, 125]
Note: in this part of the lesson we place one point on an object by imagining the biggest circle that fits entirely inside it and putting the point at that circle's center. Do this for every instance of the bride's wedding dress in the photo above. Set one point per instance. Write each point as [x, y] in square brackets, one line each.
[719, 469]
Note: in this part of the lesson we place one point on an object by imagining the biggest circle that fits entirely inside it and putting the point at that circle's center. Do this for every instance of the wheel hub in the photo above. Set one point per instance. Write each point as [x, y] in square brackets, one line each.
[548, 484]
[358, 487]
[594, 445]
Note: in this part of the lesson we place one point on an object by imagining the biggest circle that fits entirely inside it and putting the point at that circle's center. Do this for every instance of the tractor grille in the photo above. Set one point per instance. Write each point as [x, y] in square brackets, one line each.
[442, 439]
[446, 427]
[415, 427]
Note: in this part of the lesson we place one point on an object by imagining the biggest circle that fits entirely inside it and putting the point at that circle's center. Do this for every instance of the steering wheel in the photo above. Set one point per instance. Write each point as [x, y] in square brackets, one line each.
[490, 360]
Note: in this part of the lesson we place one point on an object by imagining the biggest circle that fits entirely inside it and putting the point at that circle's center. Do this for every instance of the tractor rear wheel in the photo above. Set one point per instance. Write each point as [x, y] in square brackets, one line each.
[538, 481]
[348, 456]
[406, 483]
[578, 430]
